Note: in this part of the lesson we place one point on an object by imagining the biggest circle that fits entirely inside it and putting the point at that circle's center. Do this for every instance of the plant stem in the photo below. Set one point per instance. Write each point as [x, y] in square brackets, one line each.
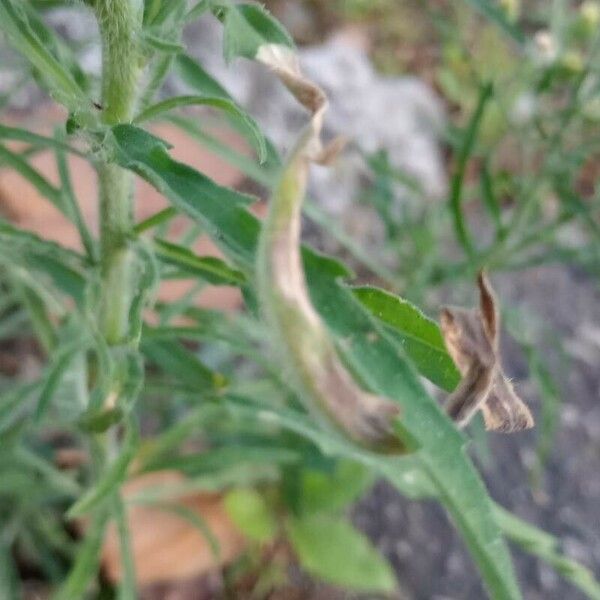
[116, 223]
[119, 22]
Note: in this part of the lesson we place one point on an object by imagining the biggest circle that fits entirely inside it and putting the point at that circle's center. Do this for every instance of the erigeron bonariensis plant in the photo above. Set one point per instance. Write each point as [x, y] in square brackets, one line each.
[340, 350]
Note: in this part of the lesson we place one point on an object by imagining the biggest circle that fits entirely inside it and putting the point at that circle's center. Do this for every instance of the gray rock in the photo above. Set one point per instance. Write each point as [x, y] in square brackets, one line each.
[401, 115]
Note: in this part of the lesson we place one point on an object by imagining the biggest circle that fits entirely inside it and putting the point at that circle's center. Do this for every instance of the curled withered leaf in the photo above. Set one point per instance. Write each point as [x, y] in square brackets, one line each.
[471, 337]
[307, 349]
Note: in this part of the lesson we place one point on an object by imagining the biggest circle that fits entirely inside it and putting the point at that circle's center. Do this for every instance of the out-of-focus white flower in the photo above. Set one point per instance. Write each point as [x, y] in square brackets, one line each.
[523, 109]
[545, 47]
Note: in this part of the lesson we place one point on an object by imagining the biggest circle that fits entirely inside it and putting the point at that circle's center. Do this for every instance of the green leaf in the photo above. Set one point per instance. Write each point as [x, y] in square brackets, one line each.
[39, 182]
[419, 335]
[14, 22]
[200, 81]
[55, 479]
[220, 459]
[247, 28]
[148, 278]
[493, 12]
[211, 269]
[329, 492]
[22, 135]
[545, 546]
[10, 587]
[334, 551]
[63, 266]
[112, 479]
[161, 11]
[194, 75]
[154, 449]
[403, 472]
[174, 359]
[14, 404]
[38, 313]
[195, 520]
[490, 200]
[464, 152]
[233, 111]
[127, 585]
[87, 559]
[58, 368]
[70, 202]
[155, 220]
[100, 421]
[251, 514]
[157, 42]
[198, 9]
[379, 361]
[63, 53]
[261, 173]
[220, 210]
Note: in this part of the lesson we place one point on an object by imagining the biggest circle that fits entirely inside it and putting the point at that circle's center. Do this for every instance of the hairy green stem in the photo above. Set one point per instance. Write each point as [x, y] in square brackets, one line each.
[119, 22]
[118, 276]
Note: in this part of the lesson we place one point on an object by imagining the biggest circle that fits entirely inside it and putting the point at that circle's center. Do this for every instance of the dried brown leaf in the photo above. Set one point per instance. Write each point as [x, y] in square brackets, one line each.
[311, 355]
[471, 337]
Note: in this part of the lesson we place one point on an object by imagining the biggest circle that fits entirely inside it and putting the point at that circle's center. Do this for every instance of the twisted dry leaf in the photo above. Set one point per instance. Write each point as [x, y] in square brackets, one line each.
[311, 355]
[471, 337]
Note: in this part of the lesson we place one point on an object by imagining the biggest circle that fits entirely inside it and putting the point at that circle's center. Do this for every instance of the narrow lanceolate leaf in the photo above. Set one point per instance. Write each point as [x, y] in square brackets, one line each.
[379, 359]
[112, 479]
[221, 211]
[57, 46]
[248, 28]
[16, 162]
[245, 122]
[157, 42]
[545, 546]
[10, 587]
[14, 23]
[70, 201]
[53, 378]
[182, 364]
[194, 519]
[127, 585]
[419, 335]
[87, 561]
[37, 255]
[22, 135]
[198, 80]
[457, 183]
[331, 549]
[210, 268]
